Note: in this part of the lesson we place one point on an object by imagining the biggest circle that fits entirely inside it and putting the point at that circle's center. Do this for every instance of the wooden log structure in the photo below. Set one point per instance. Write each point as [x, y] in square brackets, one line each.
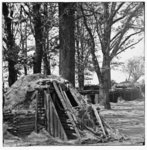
[56, 112]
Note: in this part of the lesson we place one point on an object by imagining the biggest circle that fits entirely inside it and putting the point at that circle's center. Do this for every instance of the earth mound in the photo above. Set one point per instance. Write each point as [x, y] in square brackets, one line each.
[16, 94]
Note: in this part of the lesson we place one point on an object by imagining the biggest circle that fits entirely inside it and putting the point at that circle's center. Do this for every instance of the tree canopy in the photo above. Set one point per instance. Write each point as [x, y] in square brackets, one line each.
[135, 68]
[78, 38]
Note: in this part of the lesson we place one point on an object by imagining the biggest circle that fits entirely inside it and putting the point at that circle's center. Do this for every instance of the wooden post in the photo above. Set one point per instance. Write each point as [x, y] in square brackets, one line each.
[47, 111]
[51, 119]
[36, 113]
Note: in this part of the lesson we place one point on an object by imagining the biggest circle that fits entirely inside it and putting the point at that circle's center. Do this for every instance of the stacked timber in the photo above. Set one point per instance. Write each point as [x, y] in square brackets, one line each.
[8, 116]
[22, 124]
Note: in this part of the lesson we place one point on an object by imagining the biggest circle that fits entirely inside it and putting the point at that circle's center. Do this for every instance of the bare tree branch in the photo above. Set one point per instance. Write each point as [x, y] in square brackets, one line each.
[123, 31]
[128, 37]
[119, 6]
[128, 47]
[98, 29]
[115, 36]
[118, 19]
[94, 59]
[137, 27]
[113, 7]
[29, 15]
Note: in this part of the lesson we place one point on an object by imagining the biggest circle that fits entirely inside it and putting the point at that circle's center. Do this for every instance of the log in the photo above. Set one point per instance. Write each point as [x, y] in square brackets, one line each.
[98, 119]
[23, 121]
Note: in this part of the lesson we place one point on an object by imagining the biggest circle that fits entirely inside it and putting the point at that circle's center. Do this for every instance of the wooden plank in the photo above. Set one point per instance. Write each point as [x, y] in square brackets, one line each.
[85, 92]
[55, 123]
[36, 113]
[63, 134]
[51, 120]
[42, 87]
[48, 113]
[46, 100]
[69, 106]
[67, 110]
[67, 101]
[58, 126]
[45, 106]
[58, 132]
[98, 119]
[24, 121]
[75, 97]
[55, 129]
[53, 117]
[59, 95]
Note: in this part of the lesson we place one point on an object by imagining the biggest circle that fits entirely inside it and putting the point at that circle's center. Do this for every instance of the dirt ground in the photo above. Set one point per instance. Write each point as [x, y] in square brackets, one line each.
[126, 116]
[129, 118]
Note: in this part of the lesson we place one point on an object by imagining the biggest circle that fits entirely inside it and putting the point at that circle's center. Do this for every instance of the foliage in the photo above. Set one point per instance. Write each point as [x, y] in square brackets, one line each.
[115, 26]
[23, 31]
[103, 30]
[135, 68]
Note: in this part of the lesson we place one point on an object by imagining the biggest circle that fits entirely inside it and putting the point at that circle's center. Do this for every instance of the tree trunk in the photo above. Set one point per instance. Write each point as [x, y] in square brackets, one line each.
[67, 41]
[38, 27]
[12, 52]
[80, 67]
[105, 45]
[81, 79]
[104, 74]
[25, 51]
[105, 83]
[12, 72]
[46, 61]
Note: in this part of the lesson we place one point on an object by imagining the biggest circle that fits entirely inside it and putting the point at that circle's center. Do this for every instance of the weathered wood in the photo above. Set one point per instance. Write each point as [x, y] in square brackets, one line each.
[63, 134]
[21, 121]
[49, 108]
[65, 107]
[53, 116]
[98, 119]
[42, 87]
[55, 124]
[46, 102]
[25, 126]
[24, 129]
[67, 102]
[62, 129]
[36, 113]
[51, 119]
[84, 92]
[75, 97]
